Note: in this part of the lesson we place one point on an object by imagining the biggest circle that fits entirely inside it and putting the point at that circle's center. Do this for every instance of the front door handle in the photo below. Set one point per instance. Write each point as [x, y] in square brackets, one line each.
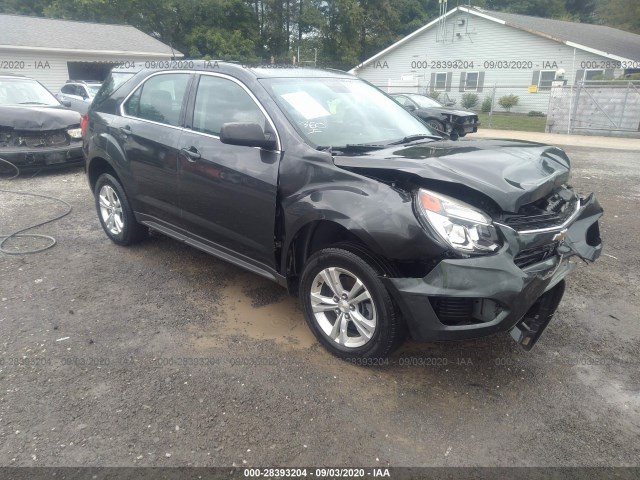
[126, 130]
[191, 153]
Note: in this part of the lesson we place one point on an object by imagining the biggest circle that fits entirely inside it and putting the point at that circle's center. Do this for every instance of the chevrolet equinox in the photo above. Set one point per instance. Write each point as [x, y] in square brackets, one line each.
[321, 182]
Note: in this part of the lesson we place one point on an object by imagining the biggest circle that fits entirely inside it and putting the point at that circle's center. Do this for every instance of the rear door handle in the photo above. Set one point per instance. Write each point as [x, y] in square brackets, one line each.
[126, 130]
[191, 153]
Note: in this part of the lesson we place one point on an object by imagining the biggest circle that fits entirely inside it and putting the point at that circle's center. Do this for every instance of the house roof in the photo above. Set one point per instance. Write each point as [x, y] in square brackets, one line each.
[599, 39]
[23, 33]
[610, 41]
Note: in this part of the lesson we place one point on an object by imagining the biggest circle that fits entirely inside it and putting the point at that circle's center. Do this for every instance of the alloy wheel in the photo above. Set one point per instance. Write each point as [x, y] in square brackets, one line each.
[111, 210]
[343, 307]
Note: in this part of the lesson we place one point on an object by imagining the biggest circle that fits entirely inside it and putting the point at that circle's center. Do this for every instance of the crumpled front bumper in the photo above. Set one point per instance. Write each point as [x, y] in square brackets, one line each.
[497, 278]
[30, 158]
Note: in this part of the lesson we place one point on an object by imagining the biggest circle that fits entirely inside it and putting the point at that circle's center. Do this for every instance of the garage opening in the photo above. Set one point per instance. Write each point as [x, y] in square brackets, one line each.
[89, 70]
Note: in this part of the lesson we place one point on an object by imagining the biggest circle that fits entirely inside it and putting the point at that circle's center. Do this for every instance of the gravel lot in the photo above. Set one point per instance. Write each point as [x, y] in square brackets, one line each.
[161, 355]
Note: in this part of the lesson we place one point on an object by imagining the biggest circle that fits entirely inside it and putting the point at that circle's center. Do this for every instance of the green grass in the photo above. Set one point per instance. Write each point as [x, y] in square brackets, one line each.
[512, 121]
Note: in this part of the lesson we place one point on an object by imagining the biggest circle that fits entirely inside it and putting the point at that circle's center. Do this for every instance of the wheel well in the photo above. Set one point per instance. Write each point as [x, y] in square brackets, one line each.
[314, 237]
[97, 167]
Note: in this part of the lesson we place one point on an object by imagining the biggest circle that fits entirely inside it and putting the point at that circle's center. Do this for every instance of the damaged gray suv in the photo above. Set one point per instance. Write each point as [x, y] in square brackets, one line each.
[324, 184]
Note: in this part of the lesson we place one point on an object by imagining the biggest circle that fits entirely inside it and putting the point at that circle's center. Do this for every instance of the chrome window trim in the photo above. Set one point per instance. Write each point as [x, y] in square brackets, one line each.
[564, 225]
[253, 97]
[126, 99]
[190, 130]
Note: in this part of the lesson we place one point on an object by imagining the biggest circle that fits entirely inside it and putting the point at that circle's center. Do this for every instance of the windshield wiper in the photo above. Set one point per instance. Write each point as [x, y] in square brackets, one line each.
[32, 103]
[359, 147]
[413, 138]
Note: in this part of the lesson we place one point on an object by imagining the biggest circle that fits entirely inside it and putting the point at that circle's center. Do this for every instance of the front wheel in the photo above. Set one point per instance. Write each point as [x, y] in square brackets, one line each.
[436, 125]
[347, 307]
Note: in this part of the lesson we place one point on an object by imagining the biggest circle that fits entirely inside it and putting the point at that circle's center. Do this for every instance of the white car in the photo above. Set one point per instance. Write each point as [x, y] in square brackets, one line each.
[79, 94]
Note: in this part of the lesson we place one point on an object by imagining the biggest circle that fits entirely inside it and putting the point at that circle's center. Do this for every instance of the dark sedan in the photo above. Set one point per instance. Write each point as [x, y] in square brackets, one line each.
[36, 130]
[454, 122]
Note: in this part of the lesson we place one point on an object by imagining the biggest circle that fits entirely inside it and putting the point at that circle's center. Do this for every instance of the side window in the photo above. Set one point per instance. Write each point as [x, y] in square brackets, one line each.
[220, 101]
[440, 81]
[159, 99]
[546, 79]
[68, 89]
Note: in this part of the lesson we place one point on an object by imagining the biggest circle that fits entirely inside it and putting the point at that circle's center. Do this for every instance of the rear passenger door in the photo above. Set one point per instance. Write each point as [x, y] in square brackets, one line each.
[148, 131]
[228, 192]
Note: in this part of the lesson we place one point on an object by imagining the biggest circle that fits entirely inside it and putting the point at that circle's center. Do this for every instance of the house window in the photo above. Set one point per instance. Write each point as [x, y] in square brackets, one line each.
[593, 75]
[441, 81]
[546, 79]
[471, 81]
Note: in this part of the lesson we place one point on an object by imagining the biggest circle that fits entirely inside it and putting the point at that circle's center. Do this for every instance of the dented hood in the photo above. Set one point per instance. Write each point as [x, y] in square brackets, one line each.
[512, 173]
[30, 117]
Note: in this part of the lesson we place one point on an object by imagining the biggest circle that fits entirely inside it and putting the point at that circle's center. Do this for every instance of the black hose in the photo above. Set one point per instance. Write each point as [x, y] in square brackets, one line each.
[19, 233]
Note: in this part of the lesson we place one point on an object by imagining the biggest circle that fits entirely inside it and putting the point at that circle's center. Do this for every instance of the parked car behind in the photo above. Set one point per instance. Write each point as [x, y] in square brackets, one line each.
[79, 94]
[36, 130]
[454, 122]
[322, 183]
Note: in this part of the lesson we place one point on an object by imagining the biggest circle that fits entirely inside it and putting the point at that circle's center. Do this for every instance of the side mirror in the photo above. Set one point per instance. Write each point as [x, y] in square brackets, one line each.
[410, 108]
[66, 103]
[247, 135]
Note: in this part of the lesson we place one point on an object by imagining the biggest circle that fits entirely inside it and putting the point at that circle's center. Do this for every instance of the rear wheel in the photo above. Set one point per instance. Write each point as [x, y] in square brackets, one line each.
[115, 213]
[347, 307]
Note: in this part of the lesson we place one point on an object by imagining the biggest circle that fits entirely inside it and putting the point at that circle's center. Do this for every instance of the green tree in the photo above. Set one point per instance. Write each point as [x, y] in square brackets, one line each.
[623, 14]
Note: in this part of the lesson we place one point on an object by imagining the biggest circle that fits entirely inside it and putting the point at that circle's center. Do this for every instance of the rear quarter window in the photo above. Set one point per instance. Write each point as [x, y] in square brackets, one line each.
[159, 99]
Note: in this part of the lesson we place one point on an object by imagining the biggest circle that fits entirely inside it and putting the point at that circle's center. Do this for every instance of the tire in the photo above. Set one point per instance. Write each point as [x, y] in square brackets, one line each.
[436, 125]
[115, 213]
[348, 328]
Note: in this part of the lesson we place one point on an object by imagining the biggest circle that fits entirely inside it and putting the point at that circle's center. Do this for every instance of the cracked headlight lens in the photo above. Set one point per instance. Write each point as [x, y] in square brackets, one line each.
[463, 227]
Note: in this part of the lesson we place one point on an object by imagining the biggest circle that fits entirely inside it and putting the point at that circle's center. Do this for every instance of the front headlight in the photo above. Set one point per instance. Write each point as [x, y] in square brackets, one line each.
[464, 228]
[75, 133]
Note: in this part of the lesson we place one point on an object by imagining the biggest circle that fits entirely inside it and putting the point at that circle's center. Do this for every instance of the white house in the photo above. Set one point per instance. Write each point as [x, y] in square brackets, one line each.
[53, 51]
[470, 49]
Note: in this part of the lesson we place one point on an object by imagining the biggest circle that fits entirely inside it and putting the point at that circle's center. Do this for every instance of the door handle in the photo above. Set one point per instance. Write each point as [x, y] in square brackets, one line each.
[126, 130]
[191, 153]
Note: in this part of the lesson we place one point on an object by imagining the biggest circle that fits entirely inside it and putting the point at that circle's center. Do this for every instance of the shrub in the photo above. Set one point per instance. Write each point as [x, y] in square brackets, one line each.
[435, 95]
[508, 101]
[469, 100]
[534, 113]
[486, 105]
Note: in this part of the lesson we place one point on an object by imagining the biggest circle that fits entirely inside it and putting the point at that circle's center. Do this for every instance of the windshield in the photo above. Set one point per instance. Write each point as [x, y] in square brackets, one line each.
[424, 102]
[24, 91]
[337, 112]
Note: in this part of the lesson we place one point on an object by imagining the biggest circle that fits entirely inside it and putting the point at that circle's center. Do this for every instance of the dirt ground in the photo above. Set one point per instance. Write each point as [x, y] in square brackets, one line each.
[161, 355]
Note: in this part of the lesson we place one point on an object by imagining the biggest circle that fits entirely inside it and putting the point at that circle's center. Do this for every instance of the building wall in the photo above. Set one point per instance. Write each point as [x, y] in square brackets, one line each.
[478, 45]
[51, 68]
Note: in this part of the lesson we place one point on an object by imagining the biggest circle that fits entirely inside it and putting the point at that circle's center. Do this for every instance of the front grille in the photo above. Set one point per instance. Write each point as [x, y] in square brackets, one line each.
[535, 255]
[48, 139]
[547, 213]
[9, 138]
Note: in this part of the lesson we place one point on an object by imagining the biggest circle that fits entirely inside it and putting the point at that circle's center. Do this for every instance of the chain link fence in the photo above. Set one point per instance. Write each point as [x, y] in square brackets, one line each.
[589, 108]
[610, 108]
